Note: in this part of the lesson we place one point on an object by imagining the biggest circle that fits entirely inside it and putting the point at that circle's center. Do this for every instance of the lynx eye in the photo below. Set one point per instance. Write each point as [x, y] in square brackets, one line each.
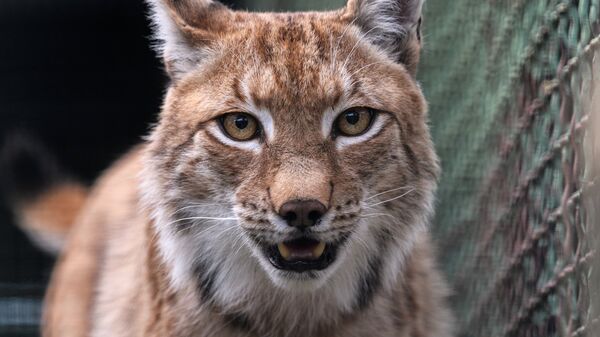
[354, 121]
[239, 126]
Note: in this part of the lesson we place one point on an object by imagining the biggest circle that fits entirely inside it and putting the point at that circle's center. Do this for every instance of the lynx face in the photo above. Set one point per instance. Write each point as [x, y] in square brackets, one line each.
[292, 149]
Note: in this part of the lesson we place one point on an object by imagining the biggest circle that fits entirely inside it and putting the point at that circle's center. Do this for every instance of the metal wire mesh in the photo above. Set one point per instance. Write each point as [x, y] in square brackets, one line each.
[510, 86]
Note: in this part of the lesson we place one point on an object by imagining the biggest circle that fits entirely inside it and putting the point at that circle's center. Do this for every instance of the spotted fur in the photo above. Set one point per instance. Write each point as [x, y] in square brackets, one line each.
[169, 242]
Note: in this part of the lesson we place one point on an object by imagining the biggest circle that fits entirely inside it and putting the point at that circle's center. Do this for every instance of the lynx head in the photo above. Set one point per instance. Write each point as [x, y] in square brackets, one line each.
[292, 152]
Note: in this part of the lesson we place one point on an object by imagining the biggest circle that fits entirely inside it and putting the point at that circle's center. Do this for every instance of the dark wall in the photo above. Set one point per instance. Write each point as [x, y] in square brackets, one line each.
[80, 76]
[77, 75]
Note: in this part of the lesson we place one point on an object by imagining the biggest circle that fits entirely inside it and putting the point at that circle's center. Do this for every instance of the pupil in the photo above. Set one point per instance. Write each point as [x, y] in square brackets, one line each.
[241, 122]
[352, 117]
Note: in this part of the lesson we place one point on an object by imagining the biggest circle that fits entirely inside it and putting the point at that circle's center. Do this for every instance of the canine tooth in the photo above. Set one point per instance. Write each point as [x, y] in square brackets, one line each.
[318, 250]
[284, 251]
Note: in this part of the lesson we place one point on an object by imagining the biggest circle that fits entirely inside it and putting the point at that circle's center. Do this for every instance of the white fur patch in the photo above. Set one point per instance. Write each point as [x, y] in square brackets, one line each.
[266, 121]
[328, 119]
[49, 242]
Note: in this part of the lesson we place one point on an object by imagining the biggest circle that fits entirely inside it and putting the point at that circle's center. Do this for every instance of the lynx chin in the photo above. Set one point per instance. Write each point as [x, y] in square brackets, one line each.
[286, 190]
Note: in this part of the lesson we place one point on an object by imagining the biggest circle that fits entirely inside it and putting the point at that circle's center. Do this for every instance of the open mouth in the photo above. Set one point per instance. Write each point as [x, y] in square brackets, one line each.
[302, 254]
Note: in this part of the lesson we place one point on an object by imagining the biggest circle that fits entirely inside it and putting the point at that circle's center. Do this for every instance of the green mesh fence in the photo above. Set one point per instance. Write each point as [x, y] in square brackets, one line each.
[510, 86]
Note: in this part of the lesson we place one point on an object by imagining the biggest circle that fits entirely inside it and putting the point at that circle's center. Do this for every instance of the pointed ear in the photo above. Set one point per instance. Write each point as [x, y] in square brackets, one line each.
[392, 25]
[184, 29]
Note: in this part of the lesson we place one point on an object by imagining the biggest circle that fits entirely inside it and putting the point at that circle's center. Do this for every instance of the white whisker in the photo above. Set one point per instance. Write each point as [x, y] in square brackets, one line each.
[199, 218]
[204, 230]
[361, 241]
[240, 242]
[337, 46]
[392, 199]
[194, 224]
[387, 191]
[354, 47]
[368, 65]
[199, 206]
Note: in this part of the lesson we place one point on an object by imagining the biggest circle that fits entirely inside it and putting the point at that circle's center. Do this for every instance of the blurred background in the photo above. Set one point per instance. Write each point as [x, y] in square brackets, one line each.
[511, 87]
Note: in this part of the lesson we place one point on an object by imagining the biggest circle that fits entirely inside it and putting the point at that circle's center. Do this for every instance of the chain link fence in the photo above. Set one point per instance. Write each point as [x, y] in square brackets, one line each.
[510, 85]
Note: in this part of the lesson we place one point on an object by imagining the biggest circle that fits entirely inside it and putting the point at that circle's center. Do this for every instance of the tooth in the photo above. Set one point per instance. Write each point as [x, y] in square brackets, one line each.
[318, 250]
[284, 251]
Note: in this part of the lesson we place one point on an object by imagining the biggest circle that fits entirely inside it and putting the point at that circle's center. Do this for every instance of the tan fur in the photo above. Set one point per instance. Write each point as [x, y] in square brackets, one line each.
[125, 271]
[70, 297]
[52, 213]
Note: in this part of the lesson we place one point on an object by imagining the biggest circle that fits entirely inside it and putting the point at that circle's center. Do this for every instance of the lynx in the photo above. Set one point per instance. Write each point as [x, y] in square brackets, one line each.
[286, 190]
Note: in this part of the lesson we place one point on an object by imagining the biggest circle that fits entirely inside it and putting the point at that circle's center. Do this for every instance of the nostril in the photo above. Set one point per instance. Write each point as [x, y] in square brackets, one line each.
[314, 215]
[302, 213]
[290, 216]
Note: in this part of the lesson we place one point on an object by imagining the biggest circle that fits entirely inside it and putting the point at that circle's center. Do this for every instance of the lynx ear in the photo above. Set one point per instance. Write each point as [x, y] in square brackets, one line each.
[184, 29]
[392, 25]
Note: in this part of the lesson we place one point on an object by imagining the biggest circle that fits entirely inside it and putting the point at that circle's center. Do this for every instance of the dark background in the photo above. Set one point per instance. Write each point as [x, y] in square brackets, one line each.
[78, 75]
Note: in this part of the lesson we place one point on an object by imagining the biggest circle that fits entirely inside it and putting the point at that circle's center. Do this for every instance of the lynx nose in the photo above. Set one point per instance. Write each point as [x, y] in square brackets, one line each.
[302, 213]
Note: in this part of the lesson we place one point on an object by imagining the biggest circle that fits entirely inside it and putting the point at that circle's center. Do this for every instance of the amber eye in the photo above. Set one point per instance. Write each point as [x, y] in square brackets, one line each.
[239, 126]
[354, 121]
